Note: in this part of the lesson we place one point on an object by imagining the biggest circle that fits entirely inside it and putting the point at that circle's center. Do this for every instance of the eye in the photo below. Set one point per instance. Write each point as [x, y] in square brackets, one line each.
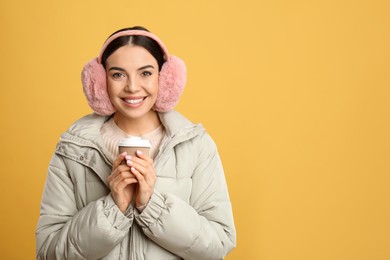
[118, 75]
[146, 73]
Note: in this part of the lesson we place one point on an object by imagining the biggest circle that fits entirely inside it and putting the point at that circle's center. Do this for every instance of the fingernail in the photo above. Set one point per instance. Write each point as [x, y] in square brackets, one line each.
[139, 152]
[129, 162]
[128, 157]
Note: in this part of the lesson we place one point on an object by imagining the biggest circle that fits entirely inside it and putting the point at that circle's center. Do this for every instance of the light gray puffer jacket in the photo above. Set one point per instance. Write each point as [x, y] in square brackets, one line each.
[189, 215]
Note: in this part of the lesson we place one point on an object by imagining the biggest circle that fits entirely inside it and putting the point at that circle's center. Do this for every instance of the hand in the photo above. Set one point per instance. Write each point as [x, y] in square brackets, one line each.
[142, 168]
[121, 182]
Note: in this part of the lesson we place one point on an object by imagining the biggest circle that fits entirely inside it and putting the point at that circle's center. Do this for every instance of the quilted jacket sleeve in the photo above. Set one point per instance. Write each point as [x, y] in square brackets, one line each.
[203, 229]
[63, 232]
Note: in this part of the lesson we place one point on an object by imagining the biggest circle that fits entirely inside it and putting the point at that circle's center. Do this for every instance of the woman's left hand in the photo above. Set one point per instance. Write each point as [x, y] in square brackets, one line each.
[142, 168]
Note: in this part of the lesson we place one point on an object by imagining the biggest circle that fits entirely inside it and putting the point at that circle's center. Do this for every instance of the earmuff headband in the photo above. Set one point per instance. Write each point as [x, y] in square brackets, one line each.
[134, 32]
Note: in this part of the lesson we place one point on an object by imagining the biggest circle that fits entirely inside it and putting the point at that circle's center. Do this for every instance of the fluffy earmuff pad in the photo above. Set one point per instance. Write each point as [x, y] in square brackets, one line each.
[171, 82]
[93, 77]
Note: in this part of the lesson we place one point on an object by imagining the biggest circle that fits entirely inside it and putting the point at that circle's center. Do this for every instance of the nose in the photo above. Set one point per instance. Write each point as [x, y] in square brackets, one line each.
[132, 85]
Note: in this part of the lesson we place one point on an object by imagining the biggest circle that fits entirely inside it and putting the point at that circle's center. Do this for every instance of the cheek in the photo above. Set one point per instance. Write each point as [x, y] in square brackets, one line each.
[112, 89]
[151, 86]
[155, 86]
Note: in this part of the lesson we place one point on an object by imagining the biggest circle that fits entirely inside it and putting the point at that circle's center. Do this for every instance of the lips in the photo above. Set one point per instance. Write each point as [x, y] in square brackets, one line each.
[133, 101]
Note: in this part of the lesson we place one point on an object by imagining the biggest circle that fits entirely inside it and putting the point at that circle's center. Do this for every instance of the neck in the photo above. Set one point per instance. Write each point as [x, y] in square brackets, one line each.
[138, 126]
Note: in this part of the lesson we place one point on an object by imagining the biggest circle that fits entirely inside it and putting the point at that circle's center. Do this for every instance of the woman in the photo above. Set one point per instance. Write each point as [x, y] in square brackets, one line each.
[170, 204]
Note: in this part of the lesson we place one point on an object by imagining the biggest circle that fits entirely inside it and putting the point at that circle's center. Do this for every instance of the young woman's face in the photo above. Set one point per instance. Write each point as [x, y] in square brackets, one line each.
[132, 81]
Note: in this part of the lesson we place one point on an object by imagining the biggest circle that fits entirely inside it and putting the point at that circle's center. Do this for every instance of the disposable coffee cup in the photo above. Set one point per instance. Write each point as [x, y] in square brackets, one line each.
[132, 144]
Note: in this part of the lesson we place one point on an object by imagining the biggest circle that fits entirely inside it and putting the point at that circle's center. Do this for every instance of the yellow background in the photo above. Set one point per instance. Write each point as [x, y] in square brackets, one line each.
[295, 93]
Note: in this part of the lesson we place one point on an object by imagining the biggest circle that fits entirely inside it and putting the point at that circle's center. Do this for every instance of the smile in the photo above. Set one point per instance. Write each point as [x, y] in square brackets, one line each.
[134, 101]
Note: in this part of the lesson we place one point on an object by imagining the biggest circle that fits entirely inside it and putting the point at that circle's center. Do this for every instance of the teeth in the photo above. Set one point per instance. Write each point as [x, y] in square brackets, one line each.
[134, 101]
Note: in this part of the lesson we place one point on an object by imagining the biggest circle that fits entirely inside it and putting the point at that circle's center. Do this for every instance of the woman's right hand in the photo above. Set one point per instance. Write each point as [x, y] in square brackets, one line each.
[121, 182]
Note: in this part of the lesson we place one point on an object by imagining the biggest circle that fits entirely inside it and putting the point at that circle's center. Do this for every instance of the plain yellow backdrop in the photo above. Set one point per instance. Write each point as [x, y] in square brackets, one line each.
[295, 94]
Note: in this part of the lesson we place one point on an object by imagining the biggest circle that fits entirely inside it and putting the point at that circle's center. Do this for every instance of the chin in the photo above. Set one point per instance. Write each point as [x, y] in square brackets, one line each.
[137, 113]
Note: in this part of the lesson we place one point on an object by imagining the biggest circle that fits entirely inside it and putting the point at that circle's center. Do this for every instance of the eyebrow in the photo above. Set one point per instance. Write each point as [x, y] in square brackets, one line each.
[141, 68]
[146, 67]
[116, 68]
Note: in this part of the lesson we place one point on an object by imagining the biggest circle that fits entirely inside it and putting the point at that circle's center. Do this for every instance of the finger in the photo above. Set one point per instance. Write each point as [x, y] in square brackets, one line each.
[144, 164]
[148, 177]
[123, 175]
[147, 171]
[119, 187]
[122, 183]
[143, 156]
[140, 161]
[127, 181]
[118, 170]
[122, 180]
[119, 160]
[138, 175]
[139, 167]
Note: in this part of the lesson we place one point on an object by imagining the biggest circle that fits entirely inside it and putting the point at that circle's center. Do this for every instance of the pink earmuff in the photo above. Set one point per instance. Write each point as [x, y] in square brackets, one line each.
[171, 84]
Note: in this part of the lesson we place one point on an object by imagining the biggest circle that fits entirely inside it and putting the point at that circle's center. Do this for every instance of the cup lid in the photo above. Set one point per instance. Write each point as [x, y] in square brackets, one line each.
[135, 141]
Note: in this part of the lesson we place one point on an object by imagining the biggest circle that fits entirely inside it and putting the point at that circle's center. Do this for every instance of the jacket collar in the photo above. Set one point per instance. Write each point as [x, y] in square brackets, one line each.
[174, 122]
[86, 131]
